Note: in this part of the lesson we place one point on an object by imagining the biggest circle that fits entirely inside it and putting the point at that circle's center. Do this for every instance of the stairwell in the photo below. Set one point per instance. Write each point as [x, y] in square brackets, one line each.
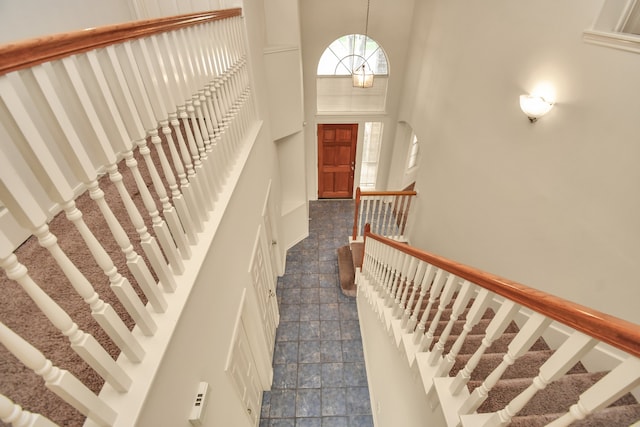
[481, 360]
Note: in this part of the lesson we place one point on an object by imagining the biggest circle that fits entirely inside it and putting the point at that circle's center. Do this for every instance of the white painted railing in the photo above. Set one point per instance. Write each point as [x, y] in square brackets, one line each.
[420, 298]
[173, 92]
[386, 212]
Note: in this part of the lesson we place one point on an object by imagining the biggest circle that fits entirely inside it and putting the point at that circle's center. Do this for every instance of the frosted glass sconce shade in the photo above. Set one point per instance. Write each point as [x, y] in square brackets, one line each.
[534, 106]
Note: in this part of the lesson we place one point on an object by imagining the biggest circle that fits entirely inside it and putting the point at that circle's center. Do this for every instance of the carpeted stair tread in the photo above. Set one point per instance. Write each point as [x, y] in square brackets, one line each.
[472, 343]
[446, 313]
[346, 271]
[556, 397]
[357, 252]
[478, 329]
[613, 416]
[524, 367]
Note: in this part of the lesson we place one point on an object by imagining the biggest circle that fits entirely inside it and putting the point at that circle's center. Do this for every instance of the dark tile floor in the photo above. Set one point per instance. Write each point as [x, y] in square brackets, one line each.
[319, 377]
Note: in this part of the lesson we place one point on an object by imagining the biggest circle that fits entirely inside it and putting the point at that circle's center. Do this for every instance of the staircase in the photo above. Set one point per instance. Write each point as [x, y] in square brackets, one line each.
[490, 352]
[139, 133]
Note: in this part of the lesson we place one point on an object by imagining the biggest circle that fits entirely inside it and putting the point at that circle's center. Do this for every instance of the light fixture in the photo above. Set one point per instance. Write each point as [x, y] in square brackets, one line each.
[363, 75]
[534, 106]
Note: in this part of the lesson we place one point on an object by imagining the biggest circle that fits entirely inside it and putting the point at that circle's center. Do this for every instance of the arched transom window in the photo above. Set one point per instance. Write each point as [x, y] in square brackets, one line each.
[335, 91]
[348, 53]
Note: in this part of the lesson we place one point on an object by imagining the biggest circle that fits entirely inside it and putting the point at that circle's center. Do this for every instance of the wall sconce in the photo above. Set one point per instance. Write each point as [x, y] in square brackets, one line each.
[534, 106]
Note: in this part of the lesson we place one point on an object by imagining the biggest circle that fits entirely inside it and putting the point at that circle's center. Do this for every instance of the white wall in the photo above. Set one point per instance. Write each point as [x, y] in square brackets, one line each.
[555, 204]
[200, 346]
[324, 21]
[397, 393]
[26, 19]
[144, 9]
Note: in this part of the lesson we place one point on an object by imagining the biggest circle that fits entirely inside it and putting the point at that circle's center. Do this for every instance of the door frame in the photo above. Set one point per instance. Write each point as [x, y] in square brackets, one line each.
[354, 154]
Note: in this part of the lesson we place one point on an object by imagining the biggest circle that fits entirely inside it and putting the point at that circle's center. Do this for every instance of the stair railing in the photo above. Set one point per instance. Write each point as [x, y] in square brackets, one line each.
[386, 212]
[420, 297]
[172, 93]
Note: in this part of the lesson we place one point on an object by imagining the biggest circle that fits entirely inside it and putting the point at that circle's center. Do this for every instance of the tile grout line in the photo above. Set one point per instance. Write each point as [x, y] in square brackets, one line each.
[328, 386]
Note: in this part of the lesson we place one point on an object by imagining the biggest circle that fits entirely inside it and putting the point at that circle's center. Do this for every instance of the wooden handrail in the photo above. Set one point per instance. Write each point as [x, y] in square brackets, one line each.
[619, 333]
[388, 193]
[27, 53]
[360, 194]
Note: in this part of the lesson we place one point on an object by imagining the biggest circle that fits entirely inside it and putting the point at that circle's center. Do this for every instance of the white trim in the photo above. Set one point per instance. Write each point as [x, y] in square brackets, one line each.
[608, 31]
[280, 48]
[340, 115]
[622, 41]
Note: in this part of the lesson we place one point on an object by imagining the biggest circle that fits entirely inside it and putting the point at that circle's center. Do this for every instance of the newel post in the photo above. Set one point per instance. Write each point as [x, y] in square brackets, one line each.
[355, 215]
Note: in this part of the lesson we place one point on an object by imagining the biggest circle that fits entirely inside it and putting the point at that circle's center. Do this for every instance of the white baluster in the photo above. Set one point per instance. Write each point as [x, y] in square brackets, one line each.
[496, 327]
[382, 216]
[420, 271]
[85, 345]
[393, 274]
[367, 220]
[381, 270]
[206, 194]
[126, 59]
[24, 208]
[477, 310]
[410, 282]
[161, 229]
[149, 243]
[168, 56]
[135, 263]
[460, 304]
[185, 73]
[193, 75]
[60, 190]
[436, 288]
[402, 261]
[563, 359]
[179, 220]
[376, 268]
[450, 288]
[119, 284]
[401, 265]
[214, 165]
[182, 223]
[526, 337]
[213, 183]
[375, 220]
[425, 284]
[157, 67]
[388, 217]
[60, 381]
[123, 142]
[104, 314]
[18, 417]
[188, 186]
[621, 380]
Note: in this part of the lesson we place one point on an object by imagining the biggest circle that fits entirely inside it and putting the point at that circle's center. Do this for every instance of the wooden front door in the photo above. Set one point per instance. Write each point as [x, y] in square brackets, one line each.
[336, 160]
